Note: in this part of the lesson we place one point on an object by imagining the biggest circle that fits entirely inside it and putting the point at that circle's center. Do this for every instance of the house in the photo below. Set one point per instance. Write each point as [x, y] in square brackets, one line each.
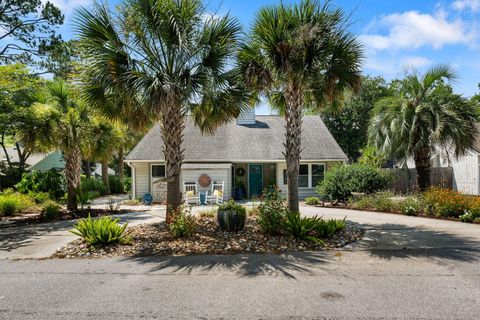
[39, 161]
[247, 152]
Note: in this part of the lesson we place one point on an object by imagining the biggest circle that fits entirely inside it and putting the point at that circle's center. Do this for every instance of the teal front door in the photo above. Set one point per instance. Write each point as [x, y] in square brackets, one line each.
[255, 180]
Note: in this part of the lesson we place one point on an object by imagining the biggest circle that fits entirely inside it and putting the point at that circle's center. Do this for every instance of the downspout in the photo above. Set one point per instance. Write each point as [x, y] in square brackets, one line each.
[133, 187]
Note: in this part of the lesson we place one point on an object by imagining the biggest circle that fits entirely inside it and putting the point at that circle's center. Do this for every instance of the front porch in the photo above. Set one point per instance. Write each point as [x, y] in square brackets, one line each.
[250, 179]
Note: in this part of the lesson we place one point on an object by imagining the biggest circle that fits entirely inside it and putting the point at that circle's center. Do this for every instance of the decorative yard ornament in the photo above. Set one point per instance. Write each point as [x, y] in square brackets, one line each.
[204, 180]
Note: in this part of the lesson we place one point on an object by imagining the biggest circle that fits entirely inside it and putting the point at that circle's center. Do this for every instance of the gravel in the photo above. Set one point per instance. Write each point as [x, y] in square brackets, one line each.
[156, 240]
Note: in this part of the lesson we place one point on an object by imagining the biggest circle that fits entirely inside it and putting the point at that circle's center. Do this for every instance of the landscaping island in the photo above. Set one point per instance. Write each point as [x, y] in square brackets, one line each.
[157, 240]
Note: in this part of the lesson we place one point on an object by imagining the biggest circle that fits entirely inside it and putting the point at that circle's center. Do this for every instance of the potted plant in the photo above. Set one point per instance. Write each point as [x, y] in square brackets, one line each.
[231, 216]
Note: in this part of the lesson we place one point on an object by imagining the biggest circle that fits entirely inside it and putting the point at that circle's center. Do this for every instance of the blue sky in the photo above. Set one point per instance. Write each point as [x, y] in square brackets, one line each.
[396, 34]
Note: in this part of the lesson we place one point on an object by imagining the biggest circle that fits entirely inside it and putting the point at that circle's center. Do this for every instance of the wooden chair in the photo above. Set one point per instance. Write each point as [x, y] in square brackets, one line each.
[190, 193]
[216, 194]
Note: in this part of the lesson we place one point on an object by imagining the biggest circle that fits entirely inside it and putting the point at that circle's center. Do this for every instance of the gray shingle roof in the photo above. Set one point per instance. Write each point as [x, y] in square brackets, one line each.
[231, 142]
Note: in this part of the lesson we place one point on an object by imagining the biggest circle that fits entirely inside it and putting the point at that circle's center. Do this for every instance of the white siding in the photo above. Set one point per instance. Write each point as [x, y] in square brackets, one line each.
[247, 117]
[302, 192]
[142, 179]
[217, 175]
[466, 174]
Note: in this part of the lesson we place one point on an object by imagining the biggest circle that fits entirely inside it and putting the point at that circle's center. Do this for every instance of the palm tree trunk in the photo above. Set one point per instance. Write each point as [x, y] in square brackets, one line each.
[422, 164]
[121, 167]
[293, 141]
[86, 168]
[172, 135]
[73, 161]
[105, 176]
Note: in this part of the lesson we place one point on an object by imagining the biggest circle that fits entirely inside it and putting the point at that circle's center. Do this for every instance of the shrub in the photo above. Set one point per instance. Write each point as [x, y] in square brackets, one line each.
[11, 203]
[132, 202]
[231, 216]
[253, 211]
[271, 216]
[183, 223]
[50, 210]
[127, 182]
[341, 181]
[302, 227]
[467, 217]
[51, 181]
[312, 201]
[39, 197]
[92, 185]
[381, 201]
[447, 203]
[101, 231]
[116, 184]
[410, 206]
[8, 207]
[272, 192]
[9, 176]
[210, 213]
[327, 228]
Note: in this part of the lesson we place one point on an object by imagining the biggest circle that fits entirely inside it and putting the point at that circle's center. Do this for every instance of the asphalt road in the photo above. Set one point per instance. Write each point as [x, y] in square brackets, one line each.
[405, 268]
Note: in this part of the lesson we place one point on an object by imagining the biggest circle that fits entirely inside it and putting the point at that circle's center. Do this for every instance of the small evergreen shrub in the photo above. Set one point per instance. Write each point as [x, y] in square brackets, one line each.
[312, 201]
[50, 210]
[302, 227]
[327, 228]
[271, 216]
[127, 182]
[183, 223]
[11, 203]
[101, 231]
[341, 181]
[116, 184]
[467, 217]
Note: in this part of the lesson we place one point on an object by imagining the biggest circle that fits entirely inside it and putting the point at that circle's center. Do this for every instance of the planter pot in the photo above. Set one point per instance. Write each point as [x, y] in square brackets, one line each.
[231, 220]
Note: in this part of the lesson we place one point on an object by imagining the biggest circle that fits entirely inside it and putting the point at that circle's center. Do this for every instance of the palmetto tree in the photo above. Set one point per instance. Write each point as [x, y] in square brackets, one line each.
[104, 141]
[174, 59]
[423, 116]
[63, 125]
[300, 55]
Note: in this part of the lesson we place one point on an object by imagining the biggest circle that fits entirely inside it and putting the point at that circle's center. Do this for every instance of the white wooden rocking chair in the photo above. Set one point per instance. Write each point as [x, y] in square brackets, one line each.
[190, 193]
[216, 193]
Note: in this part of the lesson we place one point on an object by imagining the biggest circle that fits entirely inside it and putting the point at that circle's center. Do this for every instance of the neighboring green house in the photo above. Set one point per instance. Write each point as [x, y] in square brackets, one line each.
[247, 153]
[40, 161]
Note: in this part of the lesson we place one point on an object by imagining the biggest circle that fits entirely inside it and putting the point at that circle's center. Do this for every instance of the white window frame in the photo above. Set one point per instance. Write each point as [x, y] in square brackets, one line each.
[151, 173]
[310, 173]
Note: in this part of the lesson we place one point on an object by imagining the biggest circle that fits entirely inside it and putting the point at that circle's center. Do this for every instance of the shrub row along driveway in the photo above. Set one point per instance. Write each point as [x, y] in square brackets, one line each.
[405, 268]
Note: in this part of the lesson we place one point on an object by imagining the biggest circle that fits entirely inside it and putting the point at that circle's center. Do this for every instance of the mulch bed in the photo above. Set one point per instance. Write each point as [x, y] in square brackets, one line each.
[36, 217]
[156, 240]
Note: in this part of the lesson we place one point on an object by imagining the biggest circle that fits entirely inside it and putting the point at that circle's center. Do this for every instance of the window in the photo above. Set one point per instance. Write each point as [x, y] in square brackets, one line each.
[309, 176]
[303, 176]
[158, 171]
[318, 171]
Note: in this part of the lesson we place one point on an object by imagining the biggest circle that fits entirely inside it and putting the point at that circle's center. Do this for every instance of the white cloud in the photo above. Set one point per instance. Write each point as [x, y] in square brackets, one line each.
[392, 66]
[461, 5]
[411, 30]
[67, 6]
[416, 62]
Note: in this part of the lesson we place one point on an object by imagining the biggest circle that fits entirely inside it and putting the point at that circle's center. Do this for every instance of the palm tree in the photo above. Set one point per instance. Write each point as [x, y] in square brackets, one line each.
[300, 55]
[104, 141]
[174, 59]
[63, 125]
[422, 116]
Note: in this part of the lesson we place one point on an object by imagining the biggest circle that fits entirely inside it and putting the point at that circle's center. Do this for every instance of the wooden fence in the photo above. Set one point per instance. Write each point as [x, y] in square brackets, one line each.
[406, 179]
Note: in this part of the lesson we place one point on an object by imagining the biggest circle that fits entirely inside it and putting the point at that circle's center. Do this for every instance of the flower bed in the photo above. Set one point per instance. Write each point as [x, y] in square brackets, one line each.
[156, 239]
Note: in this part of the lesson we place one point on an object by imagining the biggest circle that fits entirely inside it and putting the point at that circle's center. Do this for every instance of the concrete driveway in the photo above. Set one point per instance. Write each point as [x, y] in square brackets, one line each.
[42, 240]
[405, 268]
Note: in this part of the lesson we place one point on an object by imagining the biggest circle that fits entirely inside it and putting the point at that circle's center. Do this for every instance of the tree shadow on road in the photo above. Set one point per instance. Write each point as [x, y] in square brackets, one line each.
[248, 265]
[389, 241]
